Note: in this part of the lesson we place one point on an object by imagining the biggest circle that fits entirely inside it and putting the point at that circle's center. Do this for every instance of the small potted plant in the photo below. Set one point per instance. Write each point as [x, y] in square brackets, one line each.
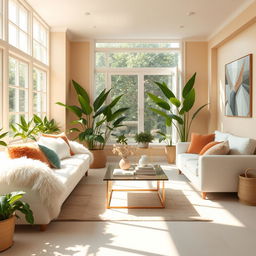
[169, 148]
[143, 139]
[9, 205]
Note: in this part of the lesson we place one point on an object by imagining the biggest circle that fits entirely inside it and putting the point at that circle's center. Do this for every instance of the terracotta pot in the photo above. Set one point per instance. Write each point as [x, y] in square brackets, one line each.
[100, 159]
[124, 164]
[6, 233]
[170, 152]
[143, 144]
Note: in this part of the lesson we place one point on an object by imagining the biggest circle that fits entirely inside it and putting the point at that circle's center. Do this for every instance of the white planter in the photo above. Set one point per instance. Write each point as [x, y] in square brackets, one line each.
[143, 144]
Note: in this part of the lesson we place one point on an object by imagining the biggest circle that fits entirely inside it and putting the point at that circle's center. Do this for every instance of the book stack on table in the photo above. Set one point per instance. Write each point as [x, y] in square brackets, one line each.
[145, 170]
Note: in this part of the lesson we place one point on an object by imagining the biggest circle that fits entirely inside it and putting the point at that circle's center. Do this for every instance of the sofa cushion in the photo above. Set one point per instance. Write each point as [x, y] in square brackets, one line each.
[198, 141]
[219, 149]
[208, 146]
[241, 145]
[58, 145]
[188, 162]
[221, 136]
[51, 156]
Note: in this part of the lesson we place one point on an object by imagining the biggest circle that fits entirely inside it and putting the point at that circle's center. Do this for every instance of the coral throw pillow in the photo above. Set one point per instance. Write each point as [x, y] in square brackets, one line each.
[27, 150]
[62, 136]
[198, 141]
[209, 145]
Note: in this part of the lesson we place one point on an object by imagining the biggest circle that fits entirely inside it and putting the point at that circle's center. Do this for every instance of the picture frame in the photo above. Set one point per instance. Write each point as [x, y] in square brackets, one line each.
[238, 87]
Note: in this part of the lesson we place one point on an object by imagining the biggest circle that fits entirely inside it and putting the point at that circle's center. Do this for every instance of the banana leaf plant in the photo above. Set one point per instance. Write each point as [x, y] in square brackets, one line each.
[44, 125]
[96, 120]
[25, 130]
[177, 112]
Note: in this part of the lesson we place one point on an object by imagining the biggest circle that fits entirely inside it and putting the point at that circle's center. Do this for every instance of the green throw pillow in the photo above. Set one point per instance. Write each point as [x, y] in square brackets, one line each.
[51, 156]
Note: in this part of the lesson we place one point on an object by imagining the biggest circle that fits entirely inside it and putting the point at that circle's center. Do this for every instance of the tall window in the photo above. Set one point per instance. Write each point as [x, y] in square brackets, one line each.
[18, 26]
[18, 90]
[40, 41]
[39, 92]
[131, 69]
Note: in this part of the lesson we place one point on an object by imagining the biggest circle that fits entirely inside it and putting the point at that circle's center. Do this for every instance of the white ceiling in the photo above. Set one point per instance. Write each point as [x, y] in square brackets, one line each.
[138, 19]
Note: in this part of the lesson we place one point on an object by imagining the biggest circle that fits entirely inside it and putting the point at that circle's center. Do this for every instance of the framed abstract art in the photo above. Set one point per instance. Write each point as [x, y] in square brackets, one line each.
[238, 87]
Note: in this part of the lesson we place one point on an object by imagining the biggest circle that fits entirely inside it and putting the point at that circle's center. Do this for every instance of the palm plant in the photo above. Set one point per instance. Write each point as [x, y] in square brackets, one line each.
[96, 120]
[25, 130]
[10, 204]
[44, 125]
[2, 135]
[180, 116]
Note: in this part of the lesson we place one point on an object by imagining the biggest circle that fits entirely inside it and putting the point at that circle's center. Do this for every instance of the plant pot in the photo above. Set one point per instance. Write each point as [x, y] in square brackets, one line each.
[6, 233]
[99, 159]
[143, 144]
[170, 152]
[124, 164]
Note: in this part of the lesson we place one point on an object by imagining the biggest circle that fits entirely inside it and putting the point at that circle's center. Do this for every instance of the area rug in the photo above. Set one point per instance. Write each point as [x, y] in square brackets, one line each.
[183, 202]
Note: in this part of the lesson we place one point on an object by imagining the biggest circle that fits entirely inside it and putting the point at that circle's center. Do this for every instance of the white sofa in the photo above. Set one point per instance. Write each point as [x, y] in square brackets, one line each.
[217, 173]
[60, 181]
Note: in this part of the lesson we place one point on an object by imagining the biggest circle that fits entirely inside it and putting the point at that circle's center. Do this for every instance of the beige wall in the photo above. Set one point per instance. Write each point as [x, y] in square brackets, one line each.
[196, 60]
[235, 40]
[241, 45]
[58, 77]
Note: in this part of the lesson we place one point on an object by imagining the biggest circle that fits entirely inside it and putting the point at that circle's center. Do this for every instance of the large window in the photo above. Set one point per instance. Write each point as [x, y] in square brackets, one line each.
[130, 68]
[18, 26]
[24, 68]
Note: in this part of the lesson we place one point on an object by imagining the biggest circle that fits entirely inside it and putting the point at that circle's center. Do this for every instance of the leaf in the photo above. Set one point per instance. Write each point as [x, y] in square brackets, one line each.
[100, 122]
[177, 118]
[74, 130]
[116, 114]
[115, 101]
[176, 102]
[23, 122]
[198, 110]
[2, 143]
[119, 120]
[88, 131]
[100, 99]
[100, 139]
[81, 91]
[87, 109]
[188, 86]
[37, 119]
[161, 103]
[76, 110]
[16, 196]
[100, 111]
[166, 91]
[189, 100]
[3, 135]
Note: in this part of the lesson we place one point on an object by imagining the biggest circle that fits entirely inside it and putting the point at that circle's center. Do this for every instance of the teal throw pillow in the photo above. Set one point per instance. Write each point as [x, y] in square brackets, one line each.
[51, 156]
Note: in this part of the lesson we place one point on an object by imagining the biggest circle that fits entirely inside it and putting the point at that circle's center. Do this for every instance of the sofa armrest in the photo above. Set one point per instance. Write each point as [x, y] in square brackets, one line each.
[182, 147]
[221, 173]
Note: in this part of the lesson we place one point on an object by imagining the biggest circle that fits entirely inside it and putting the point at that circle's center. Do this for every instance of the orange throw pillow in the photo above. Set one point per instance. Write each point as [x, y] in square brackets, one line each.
[198, 141]
[209, 145]
[28, 150]
[62, 136]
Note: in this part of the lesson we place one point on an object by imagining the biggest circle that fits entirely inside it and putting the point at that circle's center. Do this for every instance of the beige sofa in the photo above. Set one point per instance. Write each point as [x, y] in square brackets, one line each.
[217, 173]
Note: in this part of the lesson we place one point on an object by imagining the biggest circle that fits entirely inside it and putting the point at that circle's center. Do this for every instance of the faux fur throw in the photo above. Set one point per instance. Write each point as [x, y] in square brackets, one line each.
[78, 148]
[35, 175]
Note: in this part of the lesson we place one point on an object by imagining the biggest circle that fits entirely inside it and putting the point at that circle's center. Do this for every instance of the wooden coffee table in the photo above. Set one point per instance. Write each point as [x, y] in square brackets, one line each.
[160, 177]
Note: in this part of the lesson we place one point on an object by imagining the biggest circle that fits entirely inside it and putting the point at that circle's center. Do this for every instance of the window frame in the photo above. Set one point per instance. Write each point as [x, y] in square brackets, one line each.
[10, 50]
[140, 72]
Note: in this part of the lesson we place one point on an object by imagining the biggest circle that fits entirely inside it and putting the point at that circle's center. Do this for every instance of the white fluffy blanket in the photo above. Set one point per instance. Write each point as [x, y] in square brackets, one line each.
[37, 176]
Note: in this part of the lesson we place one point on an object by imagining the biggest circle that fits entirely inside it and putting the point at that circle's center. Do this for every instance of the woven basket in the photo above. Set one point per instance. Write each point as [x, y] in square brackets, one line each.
[247, 187]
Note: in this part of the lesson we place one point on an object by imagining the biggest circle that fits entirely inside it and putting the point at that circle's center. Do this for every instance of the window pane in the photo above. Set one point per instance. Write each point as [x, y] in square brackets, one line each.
[100, 59]
[23, 41]
[23, 19]
[100, 83]
[37, 102]
[23, 74]
[142, 60]
[12, 72]
[152, 121]
[17, 100]
[127, 85]
[13, 12]
[13, 38]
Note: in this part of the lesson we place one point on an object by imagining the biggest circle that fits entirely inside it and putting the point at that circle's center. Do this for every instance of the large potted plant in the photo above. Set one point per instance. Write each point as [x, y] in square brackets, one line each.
[95, 121]
[179, 114]
[10, 204]
[143, 139]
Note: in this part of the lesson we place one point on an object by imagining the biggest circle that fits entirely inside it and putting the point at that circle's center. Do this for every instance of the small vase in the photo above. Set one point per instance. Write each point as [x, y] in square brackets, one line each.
[144, 161]
[124, 164]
